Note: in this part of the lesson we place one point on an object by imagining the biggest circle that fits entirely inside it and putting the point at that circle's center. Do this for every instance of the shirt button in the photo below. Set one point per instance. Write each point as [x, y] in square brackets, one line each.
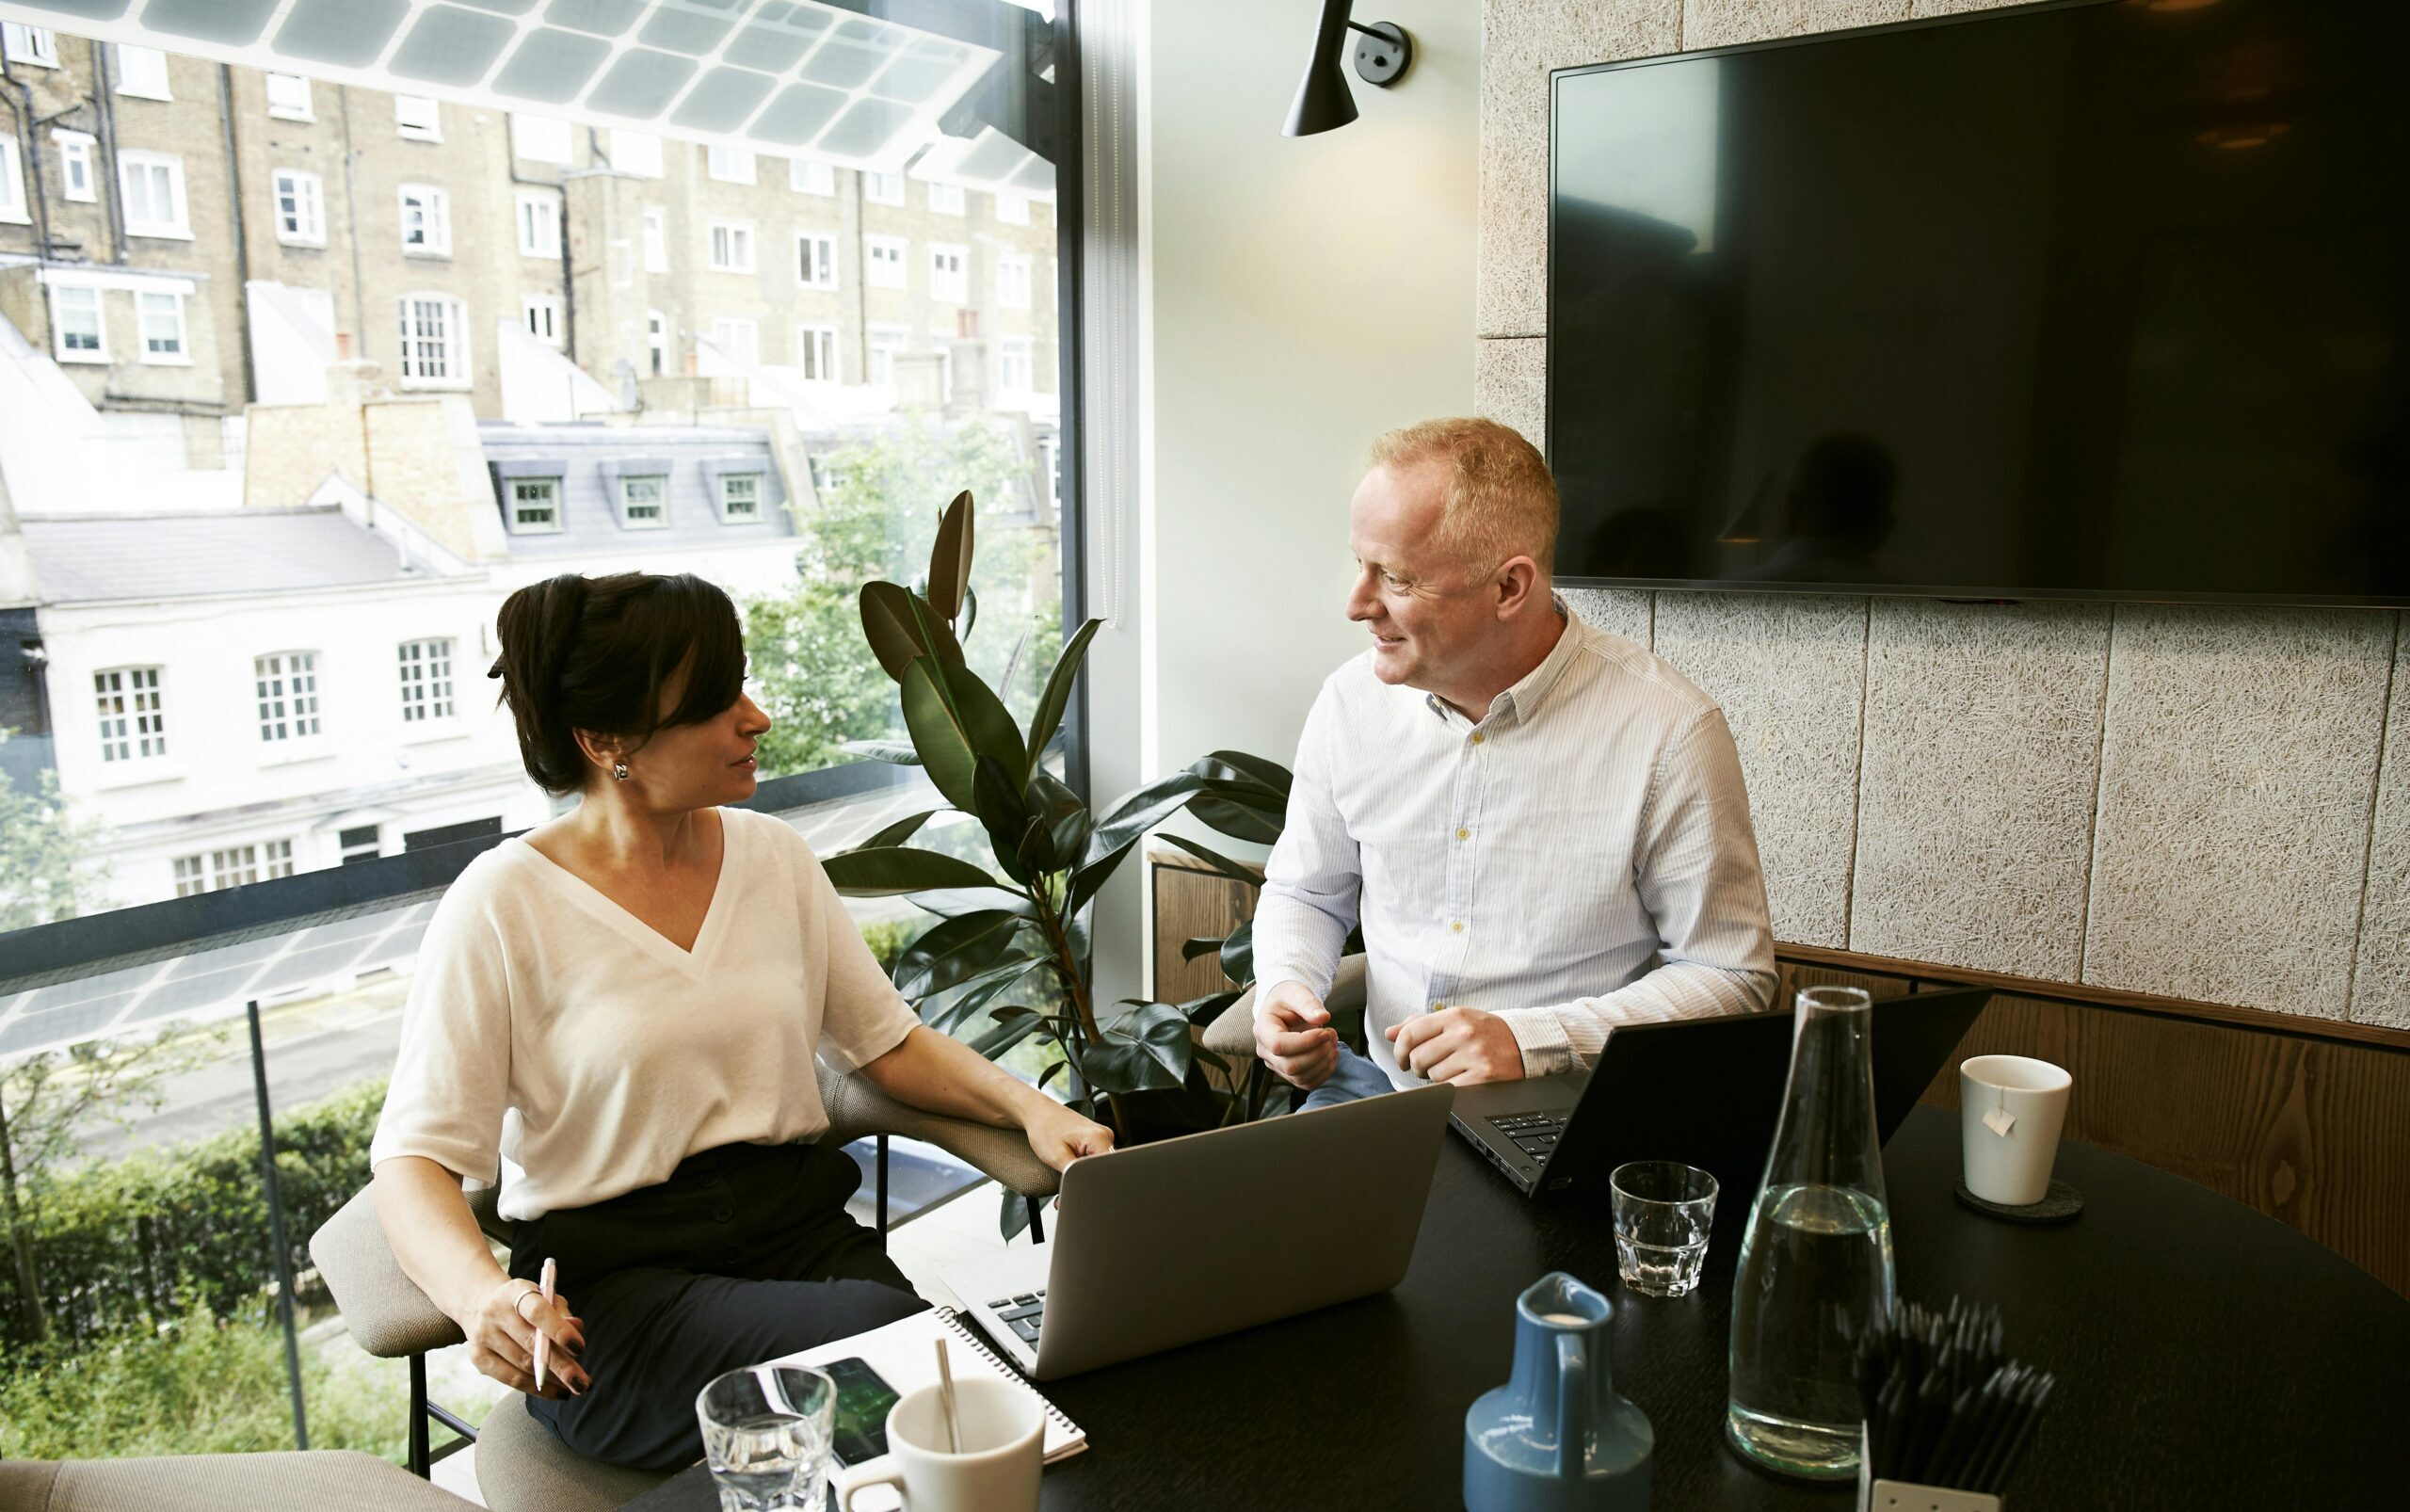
[711, 1180]
[1464, 834]
[723, 1213]
[1458, 927]
[1477, 738]
[1439, 1008]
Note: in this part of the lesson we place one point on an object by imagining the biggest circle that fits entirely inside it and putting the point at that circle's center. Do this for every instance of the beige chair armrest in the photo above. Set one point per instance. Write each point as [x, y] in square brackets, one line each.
[388, 1316]
[857, 1109]
[1232, 1035]
[281, 1482]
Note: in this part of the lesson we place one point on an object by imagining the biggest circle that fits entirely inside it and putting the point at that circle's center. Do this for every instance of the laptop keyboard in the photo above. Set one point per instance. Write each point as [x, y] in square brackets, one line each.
[1534, 1133]
[1022, 1314]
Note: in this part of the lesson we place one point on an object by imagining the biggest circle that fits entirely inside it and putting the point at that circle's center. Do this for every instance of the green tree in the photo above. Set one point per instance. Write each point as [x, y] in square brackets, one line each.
[815, 678]
[45, 865]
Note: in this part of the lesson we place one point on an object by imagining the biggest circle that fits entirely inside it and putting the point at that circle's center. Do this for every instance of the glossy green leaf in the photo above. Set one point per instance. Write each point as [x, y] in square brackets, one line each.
[899, 631]
[1238, 953]
[1006, 1034]
[951, 902]
[1013, 1217]
[1195, 945]
[1235, 871]
[1047, 717]
[1137, 812]
[893, 869]
[1005, 814]
[955, 719]
[1148, 1048]
[949, 558]
[898, 832]
[1236, 819]
[948, 1013]
[1204, 1010]
[1237, 765]
[955, 951]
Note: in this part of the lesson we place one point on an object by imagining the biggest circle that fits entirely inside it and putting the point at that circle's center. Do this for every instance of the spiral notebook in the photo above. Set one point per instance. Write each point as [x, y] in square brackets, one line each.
[903, 1354]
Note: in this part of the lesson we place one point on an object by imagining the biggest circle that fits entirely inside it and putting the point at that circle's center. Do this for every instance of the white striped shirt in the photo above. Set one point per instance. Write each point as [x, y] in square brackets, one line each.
[1579, 859]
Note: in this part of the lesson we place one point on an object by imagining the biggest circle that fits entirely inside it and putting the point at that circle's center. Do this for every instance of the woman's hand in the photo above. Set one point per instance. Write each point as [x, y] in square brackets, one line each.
[502, 1326]
[1058, 1136]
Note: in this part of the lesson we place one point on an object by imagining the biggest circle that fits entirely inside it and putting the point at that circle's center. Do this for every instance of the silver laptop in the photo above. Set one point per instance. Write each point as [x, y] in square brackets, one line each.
[1165, 1243]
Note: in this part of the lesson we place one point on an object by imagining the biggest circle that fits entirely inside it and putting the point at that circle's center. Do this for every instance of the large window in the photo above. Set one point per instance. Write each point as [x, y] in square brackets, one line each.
[300, 207]
[435, 342]
[162, 317]
[155, 195]
[540, 224]
[287, 684]
[731, 245]
[134, 722]
[815, 260]
[142, 72]
[946, 278]
[427, 220]
[884, 258]
[75, 315]
[20, 43]
[815, 353]
[426, 681]
[288, 98]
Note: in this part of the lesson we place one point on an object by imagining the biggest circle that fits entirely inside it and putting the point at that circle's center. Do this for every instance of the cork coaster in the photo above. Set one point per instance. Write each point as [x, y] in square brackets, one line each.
[2060, 1204]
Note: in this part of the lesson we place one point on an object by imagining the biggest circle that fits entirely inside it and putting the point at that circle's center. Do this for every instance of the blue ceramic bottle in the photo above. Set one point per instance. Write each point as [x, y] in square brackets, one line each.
[1555, 1437]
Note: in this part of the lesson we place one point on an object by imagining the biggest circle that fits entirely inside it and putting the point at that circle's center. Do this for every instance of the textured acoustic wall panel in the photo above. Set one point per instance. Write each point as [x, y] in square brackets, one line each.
[2236, 768]
[1790, 672]
[1522, 41]
[1617, 611]
[1975, 794]
[1723, 22]
[1510, 384]
[2381, 980]
[1957, 8]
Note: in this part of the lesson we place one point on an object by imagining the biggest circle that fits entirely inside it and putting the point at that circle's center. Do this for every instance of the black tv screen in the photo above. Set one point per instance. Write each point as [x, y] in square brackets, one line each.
[2093, 300]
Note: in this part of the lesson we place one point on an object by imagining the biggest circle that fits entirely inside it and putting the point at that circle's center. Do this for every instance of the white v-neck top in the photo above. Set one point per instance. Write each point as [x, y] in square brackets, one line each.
[550, 1027]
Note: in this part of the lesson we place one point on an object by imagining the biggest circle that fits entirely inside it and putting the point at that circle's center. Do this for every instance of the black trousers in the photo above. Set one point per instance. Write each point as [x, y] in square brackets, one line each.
[745, 1253]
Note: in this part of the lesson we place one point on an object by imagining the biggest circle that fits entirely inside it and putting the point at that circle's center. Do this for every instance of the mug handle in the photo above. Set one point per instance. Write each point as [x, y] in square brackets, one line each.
[881, 1472]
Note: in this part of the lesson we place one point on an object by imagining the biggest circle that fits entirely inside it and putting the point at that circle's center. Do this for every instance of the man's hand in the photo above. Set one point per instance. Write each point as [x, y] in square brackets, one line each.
[1293, 1035]
[1459, 1045]
[1062, 1136]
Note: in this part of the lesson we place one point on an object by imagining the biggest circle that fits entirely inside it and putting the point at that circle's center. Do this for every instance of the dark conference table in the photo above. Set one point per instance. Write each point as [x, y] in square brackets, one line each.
[2209, 1357]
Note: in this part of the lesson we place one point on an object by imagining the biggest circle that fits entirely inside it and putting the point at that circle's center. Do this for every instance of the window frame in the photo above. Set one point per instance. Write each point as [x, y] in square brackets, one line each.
[825, 245]
[131, 738]
[1008, 264]
[884, 340]
[656, 341]
[153, 83]
[287, 109]
[554, 504]
[543, 139]
[751, 353]
[543, 309]
[809, 175]
[129, 164]
[408, 368]
[1028, 357]
[59, 289]
[654, 233]
[540, 233]
[182, 356]
[740, 235]
[876, 187]
[435, 218]
[21, 41]
[437, 656]
[900, 259]
[728, 163]
[820, 340]
[12, 184]
[948, 199]
[619, 500]
[414, 125]
[959, 280]
[296, 675]
[720, 499]
[306, 231]
[78, 157]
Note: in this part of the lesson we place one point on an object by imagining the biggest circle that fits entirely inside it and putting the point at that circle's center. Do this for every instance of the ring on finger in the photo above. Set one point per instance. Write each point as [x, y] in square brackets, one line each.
[518, 1303]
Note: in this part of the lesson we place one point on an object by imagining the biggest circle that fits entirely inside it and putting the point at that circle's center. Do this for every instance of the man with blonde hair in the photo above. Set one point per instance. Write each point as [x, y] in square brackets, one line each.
[1540, 826]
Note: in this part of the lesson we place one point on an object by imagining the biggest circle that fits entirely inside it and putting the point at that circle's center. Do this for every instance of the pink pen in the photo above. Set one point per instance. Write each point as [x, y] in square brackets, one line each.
[543, 1341]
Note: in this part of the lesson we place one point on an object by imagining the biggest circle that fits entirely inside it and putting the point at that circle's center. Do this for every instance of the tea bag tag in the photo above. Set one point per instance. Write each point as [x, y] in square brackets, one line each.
[2000, 1121]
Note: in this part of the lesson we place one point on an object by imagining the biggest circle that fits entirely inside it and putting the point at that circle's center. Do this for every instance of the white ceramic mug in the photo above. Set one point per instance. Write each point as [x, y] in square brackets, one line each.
[2010, 1108]
[1003, 1451]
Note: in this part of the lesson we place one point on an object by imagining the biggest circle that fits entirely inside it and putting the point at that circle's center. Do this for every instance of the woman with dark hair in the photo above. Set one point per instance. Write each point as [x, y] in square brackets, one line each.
[625, 1004]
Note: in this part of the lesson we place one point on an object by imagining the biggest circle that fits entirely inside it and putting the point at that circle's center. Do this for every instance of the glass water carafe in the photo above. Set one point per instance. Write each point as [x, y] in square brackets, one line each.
[1816, 1261]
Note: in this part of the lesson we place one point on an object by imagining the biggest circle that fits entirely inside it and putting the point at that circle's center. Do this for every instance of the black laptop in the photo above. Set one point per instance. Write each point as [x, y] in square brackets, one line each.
[1703, 1091]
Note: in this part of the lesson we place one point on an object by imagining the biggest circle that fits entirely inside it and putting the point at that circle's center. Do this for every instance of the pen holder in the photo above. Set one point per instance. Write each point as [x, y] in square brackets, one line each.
[1902, 1496]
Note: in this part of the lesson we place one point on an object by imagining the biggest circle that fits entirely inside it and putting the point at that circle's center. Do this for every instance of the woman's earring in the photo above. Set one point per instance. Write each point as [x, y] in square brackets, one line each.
[620, 770]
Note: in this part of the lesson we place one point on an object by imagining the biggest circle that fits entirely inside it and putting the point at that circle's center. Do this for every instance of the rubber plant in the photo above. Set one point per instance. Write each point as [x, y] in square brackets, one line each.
[1007, 961]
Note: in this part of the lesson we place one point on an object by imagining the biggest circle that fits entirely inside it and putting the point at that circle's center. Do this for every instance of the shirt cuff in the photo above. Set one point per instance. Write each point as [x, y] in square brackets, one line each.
[1541, 1038]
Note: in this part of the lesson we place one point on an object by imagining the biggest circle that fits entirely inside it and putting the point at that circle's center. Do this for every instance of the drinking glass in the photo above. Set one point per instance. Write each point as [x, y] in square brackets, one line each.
[765, 1434]
[1664, 1210]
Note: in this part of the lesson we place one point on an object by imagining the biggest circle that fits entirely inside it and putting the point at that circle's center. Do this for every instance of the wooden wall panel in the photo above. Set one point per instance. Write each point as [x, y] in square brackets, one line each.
[1189, 903]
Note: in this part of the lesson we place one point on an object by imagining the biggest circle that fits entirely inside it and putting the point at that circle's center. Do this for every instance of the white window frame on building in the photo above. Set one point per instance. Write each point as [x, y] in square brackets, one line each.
[634, 151]
[286, 686]
[78, 171]
[540, 224]
[729, 163]
[809, 176]
[542, 315]
[815, 353]
[20, 43]
[359, 842]
[435, 357]
[883, 188]
[12, 184]
[159, 325]
[426, 671]
[300, 207]
[1050, 469]
[729, 245]
[949, 273]
[885, 342]
[883, 261]
[1015, 364]
[656, 240]
[288, 98]
[656, 340]
[948, 199]
[642, 491]
[1013, 209]
[815, 260]
[1012, 281]
[739, 339]
[543, 140]
[418, 119]
[739, 497]
[427, 213]
[531, 505]
[70, 304]
[131, 704]
[235, 865]
[161, 178]
[142, 72]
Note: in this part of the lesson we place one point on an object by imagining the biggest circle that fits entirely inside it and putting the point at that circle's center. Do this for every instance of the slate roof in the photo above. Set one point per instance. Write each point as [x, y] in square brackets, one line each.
[588, 458]
[96, 558]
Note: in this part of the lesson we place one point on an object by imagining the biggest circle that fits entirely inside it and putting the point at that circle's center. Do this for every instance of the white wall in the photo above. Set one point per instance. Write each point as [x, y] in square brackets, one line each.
[1303, 295]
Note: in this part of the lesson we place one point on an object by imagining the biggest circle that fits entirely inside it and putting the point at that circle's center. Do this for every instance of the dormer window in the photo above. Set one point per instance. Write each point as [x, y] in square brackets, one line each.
[740, 498]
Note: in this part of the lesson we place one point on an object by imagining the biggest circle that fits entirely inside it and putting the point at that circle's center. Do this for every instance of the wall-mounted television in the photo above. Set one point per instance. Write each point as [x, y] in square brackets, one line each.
[2078, 301]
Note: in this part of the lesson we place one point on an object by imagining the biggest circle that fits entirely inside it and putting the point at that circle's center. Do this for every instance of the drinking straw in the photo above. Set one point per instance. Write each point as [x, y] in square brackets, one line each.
[945, 1399]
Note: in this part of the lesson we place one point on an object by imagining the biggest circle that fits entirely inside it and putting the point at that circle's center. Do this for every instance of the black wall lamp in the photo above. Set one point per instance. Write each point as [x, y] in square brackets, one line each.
[1323, 101]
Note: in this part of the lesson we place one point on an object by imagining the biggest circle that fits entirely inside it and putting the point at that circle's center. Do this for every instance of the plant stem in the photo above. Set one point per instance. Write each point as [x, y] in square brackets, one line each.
[1058, 940]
